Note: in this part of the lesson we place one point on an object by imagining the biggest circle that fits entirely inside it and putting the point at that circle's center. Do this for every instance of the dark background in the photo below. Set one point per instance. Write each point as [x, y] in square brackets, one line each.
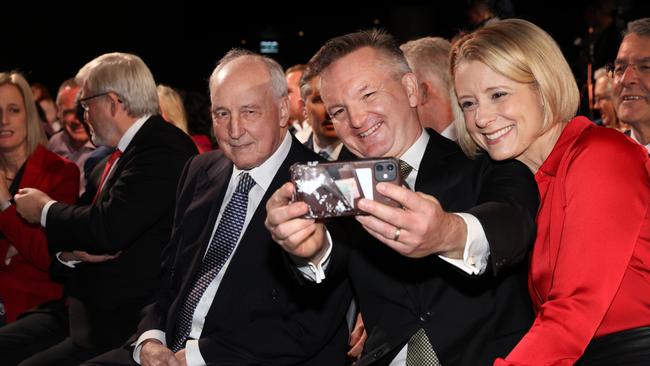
[181, 41]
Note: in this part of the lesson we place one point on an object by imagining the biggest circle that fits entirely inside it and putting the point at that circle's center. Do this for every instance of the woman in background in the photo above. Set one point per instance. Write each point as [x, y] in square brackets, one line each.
[24, 162]
[589, 274]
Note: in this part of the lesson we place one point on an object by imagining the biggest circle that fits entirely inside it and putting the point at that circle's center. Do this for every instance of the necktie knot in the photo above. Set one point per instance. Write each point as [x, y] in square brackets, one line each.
[404, 170]
[245, 184]
[114, 156]
[324, 154]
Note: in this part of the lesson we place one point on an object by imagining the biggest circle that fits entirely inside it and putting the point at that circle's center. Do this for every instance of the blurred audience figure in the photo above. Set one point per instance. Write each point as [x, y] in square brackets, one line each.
[172, 109]
[199, 120]
[438, 107]
[323, 139]
[24, 162]
[604, 103]
[298, 124]
[72, 142]
[588, 278]
[42, 96]
[631, 75]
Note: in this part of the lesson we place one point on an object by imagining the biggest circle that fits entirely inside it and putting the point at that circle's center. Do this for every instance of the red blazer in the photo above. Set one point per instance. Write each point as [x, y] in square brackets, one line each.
[589, 269]
[25, 283]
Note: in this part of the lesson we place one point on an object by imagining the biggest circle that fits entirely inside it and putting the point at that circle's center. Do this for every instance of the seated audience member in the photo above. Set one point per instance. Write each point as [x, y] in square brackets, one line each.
[231, 301]
[72, 142]
[298, 125]
[631, 75]
[171, 107]
[24, 162]
[440, 280]
[116, 243]
[49, 120]
[589, 278]
[322, 139]
[604, 103]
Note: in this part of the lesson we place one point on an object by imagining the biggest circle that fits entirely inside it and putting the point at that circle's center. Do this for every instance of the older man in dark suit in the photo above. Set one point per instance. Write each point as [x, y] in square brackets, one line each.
[119, 238]
[231, 301]
[442, 279]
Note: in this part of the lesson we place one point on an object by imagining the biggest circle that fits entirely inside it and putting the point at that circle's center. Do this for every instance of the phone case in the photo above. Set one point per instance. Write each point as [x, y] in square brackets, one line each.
[333, 189]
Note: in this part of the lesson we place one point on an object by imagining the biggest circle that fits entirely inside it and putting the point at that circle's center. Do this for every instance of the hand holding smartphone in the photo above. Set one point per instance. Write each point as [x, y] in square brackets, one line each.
[333, 189]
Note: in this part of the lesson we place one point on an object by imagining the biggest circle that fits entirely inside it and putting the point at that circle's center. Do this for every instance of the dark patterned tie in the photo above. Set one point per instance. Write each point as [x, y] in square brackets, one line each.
[221, 246]
[404, 171]
[419, 351]
[324, 154]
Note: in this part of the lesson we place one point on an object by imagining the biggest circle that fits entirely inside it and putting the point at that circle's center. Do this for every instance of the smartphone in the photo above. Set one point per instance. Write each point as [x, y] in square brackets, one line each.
[333, 189]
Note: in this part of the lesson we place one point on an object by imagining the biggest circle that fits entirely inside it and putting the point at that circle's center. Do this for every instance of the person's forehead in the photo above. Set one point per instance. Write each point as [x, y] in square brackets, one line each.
[634, 45]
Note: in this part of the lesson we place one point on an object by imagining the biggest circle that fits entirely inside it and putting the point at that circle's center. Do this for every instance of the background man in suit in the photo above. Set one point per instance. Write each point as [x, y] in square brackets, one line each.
[322, 139]
[298, 125]
[440, 282]
[131, 214]
[437, 106]
[631, 74]
[231, 300]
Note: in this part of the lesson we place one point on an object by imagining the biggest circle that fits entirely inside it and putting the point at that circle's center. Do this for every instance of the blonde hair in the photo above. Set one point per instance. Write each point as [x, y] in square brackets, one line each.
[171, 106]
[35, 133]
[524, 53]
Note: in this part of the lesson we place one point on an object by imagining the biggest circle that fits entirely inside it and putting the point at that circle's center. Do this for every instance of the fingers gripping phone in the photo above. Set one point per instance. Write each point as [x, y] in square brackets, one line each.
[333, 189]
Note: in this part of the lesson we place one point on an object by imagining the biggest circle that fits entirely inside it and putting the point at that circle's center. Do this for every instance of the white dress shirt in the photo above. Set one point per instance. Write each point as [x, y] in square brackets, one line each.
[332, 150]
[637, 140]
[262, 175]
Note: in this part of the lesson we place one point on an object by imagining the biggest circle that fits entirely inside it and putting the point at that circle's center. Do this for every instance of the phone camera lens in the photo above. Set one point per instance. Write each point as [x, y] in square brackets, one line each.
[390, 167]
[380, 168]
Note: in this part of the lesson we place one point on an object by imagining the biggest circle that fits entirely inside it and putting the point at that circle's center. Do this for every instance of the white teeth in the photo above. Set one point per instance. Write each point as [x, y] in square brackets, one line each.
[499, 133]
[370, 130]
[631, 97]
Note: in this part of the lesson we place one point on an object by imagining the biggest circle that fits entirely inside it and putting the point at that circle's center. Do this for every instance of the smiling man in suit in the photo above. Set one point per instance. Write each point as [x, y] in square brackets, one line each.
[119, 238]
[441, 280]
[231, 301]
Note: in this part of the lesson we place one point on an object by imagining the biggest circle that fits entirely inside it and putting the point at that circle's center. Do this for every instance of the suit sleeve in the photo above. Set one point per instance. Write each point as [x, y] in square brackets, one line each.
[142, 195]
[508, 203]
[606, 196]
[62, 184]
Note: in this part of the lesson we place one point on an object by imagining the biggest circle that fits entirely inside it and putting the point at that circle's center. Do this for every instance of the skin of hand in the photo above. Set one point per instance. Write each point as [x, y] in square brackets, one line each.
[303, 238]
[357, 338]
[153, 353]
[93, 258]
[180, 356]
[11, 252]
[425, 228]
[30, 203]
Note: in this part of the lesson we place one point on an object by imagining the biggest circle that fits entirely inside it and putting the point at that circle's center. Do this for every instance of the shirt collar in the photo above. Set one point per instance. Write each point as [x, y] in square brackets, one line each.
[413, 156]
[130, 133]
[264, 173]
[633, 137]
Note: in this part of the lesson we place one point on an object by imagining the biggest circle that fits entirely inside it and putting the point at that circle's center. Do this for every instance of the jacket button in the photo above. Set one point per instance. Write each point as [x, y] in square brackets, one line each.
[274, 294]
[378, 354]
[426, 316]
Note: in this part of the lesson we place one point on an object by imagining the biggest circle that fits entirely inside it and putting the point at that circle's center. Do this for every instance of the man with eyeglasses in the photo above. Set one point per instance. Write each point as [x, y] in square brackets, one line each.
[116, 243]
[631, 74]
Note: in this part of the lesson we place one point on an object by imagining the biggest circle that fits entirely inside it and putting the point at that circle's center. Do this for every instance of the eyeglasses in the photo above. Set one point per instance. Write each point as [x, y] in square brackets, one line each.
[616, 70]
[83, 101]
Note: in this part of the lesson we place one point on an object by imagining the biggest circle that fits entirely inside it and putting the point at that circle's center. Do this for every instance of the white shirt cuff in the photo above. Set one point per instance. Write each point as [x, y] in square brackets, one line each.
[315, 272]
[70, 264]
[193, 353]
[477, 248]
[46, 208]
[155, 334]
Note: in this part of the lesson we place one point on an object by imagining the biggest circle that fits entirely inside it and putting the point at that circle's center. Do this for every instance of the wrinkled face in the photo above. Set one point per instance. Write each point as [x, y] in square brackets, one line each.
[68, 116]
[99, 110]
[632, 87]
[604, 103]
[316, 114]
[13, 119]
[248, 119]
[295, 104]
[373, 109]
[503, 117]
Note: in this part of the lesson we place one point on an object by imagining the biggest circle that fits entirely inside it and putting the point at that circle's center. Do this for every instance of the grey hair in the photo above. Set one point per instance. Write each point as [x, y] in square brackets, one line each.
[602, 73]
[125, 75]
[640, 27]
[277, 77]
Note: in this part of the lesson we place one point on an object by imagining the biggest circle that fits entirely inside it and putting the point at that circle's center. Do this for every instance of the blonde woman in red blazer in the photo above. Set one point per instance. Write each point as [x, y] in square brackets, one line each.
[24, 162]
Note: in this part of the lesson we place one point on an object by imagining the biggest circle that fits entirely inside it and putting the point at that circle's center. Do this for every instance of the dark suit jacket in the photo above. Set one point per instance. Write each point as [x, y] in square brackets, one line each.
[133, 215]
[470, 320]
[260, 315]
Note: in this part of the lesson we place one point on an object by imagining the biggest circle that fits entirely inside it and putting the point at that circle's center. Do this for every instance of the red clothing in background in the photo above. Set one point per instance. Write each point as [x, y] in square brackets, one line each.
[25, 282]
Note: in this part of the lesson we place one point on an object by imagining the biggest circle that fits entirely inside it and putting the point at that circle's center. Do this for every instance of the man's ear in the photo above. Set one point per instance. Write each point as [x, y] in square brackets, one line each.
[410, 84]
[283, 111]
